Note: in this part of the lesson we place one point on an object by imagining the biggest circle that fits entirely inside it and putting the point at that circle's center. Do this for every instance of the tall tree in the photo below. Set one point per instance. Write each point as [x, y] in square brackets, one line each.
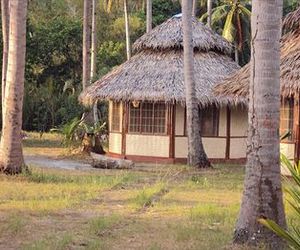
[209, 11]
[94, 53]
[197, 156]
[149, 15]
[262, 197]
[86, 46]
[127, 31]
[5, 34]
[11, 155]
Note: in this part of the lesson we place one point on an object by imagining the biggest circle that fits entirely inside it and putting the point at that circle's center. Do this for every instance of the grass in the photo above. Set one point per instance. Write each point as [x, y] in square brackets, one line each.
[98, 225]
[146, 196]
[151, 207]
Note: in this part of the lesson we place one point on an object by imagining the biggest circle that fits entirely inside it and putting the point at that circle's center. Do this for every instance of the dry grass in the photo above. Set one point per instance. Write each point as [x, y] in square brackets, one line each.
[151, 207]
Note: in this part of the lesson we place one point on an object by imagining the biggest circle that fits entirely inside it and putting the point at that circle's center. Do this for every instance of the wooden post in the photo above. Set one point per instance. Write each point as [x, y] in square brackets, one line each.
[124, 127]
[171, 129]
[228, 128]
[296, 128]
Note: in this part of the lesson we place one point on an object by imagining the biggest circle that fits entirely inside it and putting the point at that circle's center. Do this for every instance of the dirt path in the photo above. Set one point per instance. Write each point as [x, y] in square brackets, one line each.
[46, 162]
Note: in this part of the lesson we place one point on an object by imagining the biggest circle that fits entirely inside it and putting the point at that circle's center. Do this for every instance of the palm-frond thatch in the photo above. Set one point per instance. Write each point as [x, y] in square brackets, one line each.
[169, 35]
[155, 73]
[236, 87]
[291, 21]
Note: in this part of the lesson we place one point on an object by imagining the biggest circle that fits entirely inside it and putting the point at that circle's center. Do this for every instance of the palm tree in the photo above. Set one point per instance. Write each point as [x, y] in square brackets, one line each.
[126, 17]
[128, 49]
[11, 155]
[197, 156]
[209, 11]
[5, 33]
[86, 46]
[94, 53]
[262, 197]
[234, 18]
[149, 15]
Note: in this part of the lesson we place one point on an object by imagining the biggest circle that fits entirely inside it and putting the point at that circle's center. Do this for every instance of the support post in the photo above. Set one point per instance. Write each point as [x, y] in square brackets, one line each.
[124, 127]
[171, 129]
[228, 128]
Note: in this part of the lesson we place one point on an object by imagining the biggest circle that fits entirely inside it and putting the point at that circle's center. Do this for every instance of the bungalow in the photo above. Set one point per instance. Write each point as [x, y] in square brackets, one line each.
[236, 86]
[146, 96]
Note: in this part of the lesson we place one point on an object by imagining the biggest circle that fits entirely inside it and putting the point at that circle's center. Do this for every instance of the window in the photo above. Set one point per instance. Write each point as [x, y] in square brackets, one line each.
[116, 117]
[148, 118]
[209, 119]
[287, 118]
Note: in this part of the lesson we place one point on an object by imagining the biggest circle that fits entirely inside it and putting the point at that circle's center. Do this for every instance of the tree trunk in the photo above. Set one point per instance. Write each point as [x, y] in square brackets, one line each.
[209, 11]
[5, 34]
[149, 15]
[194, 11]
[94, 54]
[128, 50]
[86, 46]
[262, 197]
[94, 40]
[197, 156]
[11, 155]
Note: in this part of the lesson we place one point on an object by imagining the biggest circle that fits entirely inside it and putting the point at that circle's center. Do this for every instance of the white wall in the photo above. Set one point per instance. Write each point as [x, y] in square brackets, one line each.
[115, 143]
[147, 145]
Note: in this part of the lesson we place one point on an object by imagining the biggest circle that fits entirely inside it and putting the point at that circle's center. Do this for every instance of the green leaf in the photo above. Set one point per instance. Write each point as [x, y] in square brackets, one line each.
[229, 30]
[293, 241]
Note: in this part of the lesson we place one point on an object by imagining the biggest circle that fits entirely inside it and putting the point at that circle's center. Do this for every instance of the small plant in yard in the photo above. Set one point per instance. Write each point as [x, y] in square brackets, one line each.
[79, 132]
[15, 224]
[99, 225]
[292, 235]
[147, 196]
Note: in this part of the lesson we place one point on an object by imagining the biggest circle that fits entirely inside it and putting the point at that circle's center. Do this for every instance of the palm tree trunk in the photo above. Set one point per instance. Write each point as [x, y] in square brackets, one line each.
[86, 46]
[94, 54]
[94, 40]
[197, 156]
[262, 197]
[209, 11]
[5, 34]
[11, 155]
[128, 50]
[194, 11]
[149, 15]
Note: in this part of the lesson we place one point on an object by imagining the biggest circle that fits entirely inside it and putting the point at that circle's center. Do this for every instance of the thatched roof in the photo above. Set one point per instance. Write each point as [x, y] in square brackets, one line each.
[155, 73]
[236, 87]
[169, 35]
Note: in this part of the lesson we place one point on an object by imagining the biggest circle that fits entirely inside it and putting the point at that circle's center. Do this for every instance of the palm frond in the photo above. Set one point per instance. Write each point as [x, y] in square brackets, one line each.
[293, 241]
[229, 29]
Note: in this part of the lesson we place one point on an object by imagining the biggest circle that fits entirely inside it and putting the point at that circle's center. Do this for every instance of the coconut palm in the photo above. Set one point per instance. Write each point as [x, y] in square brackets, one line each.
[149, 15]
[5, 33]
[86, 46]
[196, 156]
[11, 155]
[128, 49]
[292, 236]
[209, 11]
[232, 18]
[127, 30]
[94, 53]
[262, 197]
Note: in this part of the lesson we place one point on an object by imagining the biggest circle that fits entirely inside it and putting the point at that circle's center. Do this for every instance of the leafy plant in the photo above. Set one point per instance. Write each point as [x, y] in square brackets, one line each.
[292, 236]
[76, 129]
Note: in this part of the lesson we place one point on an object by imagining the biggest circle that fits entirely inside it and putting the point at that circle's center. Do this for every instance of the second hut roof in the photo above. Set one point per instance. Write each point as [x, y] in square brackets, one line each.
[155, 73]
[235, 88]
